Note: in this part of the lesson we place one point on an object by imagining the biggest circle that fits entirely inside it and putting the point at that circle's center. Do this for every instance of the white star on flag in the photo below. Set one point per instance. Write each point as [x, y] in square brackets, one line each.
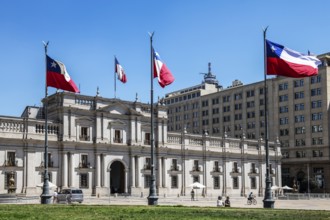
[53, 65]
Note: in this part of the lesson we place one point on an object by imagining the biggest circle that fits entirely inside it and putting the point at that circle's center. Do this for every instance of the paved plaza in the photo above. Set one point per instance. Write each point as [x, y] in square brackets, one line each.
[237, 202]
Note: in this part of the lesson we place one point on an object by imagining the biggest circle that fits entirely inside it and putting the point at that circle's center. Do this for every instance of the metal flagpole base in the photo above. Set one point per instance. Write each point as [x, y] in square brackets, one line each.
[153, 200]
[46, 198]
[269, 203]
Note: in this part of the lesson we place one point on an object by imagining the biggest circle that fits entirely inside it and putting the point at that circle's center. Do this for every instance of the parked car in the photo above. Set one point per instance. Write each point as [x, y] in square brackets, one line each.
[70, 195]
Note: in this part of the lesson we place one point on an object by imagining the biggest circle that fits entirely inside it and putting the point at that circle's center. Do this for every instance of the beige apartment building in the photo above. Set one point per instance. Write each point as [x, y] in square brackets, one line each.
[298, 116]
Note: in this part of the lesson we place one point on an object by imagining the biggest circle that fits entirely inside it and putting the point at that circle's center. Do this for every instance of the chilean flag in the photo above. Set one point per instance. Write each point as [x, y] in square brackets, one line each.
[161, 71]
[283, 61]
[120, 71]
[58, 77]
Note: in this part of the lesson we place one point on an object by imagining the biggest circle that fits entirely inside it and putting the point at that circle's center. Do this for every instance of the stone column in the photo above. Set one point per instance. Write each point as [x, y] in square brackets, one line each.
[137, 173]
[103, 170]
[126, 181]
[71, 167]
[65, 169]
[160, 173]
[165, 169]
[133, 171]
[97, 171]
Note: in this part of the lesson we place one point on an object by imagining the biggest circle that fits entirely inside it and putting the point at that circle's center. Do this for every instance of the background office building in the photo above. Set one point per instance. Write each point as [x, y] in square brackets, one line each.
[298, 111]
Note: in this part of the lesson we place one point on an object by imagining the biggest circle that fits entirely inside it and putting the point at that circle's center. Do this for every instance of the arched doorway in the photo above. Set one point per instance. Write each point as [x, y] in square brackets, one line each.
[117, 177]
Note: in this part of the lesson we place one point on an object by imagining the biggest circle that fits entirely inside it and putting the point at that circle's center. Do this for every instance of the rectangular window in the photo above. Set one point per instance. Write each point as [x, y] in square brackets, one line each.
[300, 130]
[174, 164]
[147, 165]
[299, 95]
[299, 107]
[253, 183]
[283, 98]
[283, 109]
[317, 128]
[315, 92]
[147, 179]
[250, 104]
[147, 138]
[195, 179]
[196, 166]
[117, 138]
[50, 161]
[316, 104]
[237, 96]
[283, 86]
[235, 167]
[299, 83]
[216, 182]
[317, 153]
[11, 159]
[83, 183]
[317, 116]
[215, 111]
[299, 118]
[300, 142]
[174, 181]
[317, 141]
[316, 79]
[284, 121]
[216, 166]
[84, 161]
[235, 183]
[238, 106]
[253, 168]
[250, 93]
[226, 99]
[284, 132]
[319, 177]
[84, 134]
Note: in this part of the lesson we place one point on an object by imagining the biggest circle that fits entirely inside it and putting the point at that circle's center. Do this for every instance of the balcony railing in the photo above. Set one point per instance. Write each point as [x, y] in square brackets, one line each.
[253, 170]
[174, 168]
[196, 168]
[117, 140]
[11, 163]
[147, 142]
[147, 166]
[235, 170]
[84, 138]
[84, 165]
[216, 169]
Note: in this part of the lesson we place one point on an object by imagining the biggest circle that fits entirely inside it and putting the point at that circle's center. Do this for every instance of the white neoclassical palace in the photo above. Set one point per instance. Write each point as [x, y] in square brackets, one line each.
[101, 145]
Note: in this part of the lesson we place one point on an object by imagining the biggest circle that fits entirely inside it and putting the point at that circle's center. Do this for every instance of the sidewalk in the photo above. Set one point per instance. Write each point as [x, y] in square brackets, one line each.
[237, 202]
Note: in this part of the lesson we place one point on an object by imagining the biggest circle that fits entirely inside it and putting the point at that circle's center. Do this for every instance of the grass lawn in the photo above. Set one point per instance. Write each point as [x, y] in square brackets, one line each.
[46, 212]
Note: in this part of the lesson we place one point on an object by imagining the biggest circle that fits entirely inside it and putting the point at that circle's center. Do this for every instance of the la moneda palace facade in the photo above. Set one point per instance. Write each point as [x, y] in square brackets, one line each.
[102, 146]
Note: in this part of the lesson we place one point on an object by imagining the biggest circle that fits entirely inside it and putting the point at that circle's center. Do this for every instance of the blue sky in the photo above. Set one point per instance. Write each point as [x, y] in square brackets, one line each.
[85, 36]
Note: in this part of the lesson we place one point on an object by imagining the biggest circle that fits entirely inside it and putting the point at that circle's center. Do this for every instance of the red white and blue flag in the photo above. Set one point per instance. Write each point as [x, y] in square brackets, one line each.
[58, 77]
[161, 71]
[283, 61]
[120, 71]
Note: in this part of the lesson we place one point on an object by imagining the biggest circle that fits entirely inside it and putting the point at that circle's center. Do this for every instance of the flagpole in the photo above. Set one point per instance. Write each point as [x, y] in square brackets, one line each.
[268, 200]
[115, 77]
[45, 196]
[152, 198]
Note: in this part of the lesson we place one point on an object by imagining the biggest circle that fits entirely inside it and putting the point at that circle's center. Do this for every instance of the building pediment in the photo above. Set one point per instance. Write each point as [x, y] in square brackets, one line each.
[119, 108]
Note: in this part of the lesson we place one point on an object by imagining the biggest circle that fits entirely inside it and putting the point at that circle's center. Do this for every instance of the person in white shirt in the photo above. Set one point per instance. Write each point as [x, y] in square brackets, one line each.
[219, 202]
